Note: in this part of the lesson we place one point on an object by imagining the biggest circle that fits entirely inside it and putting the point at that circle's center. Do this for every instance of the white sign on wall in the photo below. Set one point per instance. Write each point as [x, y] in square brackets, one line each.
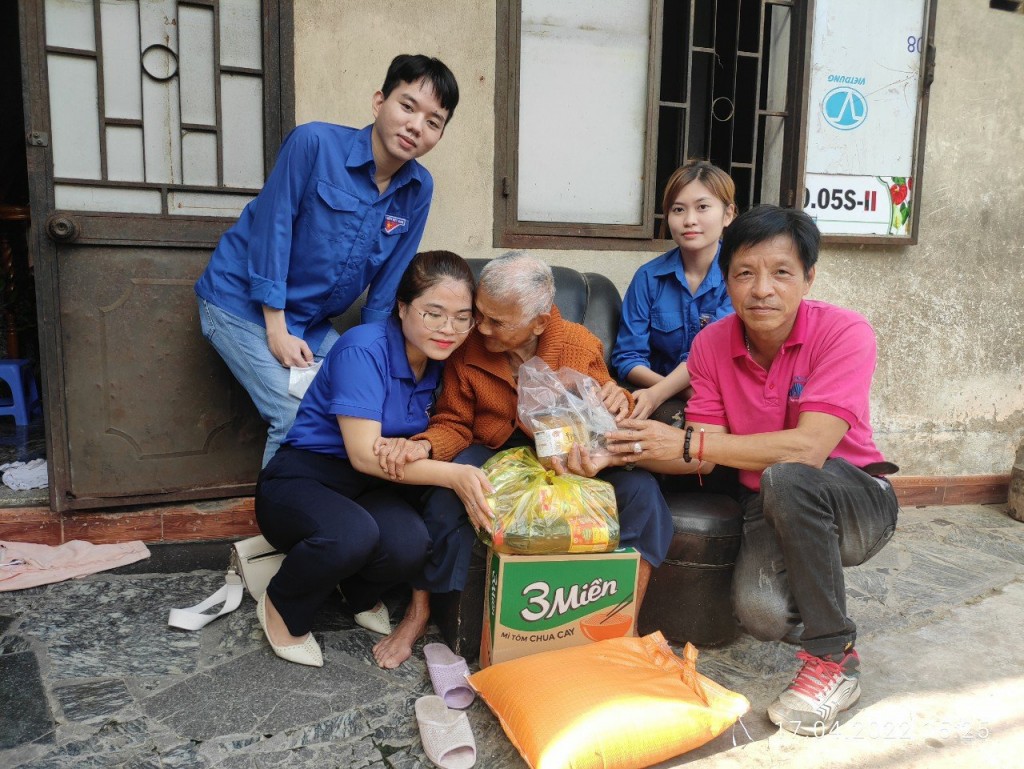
[866, 60]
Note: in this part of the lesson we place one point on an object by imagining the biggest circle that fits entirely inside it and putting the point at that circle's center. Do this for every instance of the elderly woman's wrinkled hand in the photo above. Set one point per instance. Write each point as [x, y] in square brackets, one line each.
[581, 462]
[393, 454]
[615, 399]
[640, 439]
[472, 487]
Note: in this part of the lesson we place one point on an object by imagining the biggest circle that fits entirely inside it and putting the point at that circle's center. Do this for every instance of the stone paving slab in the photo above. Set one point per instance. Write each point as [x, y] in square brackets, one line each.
[92, 676]
[23, 695]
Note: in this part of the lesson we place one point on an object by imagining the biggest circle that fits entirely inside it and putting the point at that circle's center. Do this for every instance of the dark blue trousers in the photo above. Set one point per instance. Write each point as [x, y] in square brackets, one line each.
[338, 527]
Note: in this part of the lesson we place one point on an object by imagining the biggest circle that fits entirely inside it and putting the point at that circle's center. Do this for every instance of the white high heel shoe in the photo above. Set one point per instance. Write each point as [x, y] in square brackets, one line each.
[376, 620]
[305, 653]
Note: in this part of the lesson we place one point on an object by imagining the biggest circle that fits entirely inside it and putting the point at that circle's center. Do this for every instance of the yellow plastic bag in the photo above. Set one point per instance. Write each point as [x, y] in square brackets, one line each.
[540, 513]
[623, 703]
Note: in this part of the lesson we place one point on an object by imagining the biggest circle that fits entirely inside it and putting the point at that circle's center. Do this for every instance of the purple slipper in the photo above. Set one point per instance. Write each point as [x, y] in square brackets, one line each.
[448, 673]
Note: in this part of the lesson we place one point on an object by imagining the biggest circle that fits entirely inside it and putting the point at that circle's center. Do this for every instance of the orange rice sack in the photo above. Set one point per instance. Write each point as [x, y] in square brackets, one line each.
[623, 703]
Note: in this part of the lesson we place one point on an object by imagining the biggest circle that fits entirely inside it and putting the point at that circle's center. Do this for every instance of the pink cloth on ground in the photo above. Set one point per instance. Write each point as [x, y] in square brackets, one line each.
[25, 564]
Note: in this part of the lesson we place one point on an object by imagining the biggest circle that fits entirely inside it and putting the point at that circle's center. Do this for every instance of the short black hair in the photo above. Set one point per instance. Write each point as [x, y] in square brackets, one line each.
[767, 222]
[411, 67]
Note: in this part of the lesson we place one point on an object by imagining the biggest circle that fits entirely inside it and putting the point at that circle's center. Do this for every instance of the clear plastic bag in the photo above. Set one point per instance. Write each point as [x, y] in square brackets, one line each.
[562, 408]
[537, 512]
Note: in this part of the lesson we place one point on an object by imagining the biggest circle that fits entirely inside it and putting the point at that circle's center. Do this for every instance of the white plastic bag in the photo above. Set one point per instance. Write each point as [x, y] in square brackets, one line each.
[300, 379]
[562, 408]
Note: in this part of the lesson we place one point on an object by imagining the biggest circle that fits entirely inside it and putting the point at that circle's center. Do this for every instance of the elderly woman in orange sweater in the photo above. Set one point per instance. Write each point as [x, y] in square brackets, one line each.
[476, 416]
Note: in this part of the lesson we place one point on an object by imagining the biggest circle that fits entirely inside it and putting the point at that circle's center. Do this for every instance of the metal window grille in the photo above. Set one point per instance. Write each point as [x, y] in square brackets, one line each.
[724, 65]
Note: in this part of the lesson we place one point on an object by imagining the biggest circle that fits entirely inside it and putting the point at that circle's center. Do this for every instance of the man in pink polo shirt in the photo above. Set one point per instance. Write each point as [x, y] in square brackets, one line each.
[781, 392]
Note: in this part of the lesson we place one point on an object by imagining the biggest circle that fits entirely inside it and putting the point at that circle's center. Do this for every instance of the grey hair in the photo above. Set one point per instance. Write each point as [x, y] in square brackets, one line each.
[520, 278]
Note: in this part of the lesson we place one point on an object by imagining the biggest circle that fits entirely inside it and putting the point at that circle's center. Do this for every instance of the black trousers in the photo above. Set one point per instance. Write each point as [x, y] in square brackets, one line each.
[338, 527]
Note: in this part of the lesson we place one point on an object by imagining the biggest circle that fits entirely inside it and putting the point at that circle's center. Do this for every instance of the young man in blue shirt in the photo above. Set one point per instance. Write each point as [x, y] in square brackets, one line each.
[343, 210]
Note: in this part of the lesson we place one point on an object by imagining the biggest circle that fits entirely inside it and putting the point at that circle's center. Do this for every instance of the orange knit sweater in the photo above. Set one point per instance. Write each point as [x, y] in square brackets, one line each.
[478, 400]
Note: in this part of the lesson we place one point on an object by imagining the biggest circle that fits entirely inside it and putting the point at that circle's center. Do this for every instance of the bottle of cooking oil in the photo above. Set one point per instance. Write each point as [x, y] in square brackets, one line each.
[555, 431]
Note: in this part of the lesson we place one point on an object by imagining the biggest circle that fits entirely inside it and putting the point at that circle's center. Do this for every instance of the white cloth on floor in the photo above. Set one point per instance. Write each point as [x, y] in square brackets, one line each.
[25, 475]
[26, 564]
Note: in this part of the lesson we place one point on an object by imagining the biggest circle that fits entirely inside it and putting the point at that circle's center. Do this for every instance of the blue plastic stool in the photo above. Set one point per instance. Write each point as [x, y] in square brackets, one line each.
[17, 373]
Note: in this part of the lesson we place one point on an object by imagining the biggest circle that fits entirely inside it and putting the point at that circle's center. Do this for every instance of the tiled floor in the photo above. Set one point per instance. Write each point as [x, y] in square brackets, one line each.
[91, 676]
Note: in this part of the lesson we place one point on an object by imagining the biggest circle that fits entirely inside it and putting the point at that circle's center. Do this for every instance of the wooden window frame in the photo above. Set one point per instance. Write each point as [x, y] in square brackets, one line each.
[509, 232]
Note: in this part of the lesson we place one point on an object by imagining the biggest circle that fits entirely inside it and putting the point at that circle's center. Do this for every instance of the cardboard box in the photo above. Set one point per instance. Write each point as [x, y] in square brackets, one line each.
[536, 603]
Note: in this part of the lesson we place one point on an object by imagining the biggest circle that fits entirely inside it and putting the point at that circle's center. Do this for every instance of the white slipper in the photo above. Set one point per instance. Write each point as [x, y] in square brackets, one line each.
[446, 736]
[376, 620]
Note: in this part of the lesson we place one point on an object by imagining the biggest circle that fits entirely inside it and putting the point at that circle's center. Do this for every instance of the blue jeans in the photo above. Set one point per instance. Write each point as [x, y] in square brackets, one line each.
[243, 346]
[799, 532]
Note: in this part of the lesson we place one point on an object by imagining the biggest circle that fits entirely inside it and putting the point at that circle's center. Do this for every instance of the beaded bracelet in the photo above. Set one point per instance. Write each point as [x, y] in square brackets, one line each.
[686, 444]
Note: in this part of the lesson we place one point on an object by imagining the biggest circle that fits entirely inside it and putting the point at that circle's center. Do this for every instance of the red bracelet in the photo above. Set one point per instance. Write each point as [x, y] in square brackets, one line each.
[700, 457]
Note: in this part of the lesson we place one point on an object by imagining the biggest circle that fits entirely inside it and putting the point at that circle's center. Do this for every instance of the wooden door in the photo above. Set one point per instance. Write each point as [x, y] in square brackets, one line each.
[150, 124]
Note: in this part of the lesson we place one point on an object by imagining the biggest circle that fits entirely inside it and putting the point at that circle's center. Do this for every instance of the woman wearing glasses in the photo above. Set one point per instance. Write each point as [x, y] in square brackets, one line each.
[324, 498]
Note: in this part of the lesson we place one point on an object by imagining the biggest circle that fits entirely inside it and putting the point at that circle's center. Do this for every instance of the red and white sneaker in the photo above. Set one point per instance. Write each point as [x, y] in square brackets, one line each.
[824, 688]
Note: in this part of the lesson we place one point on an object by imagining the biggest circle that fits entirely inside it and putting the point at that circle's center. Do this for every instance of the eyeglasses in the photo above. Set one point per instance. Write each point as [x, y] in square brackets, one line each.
[436, 321]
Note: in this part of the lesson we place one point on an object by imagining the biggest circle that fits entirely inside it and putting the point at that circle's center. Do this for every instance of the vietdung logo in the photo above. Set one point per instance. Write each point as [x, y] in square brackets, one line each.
[844, 108]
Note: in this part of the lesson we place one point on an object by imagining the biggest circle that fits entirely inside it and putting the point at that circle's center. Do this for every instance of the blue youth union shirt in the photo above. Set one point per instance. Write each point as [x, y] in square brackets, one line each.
[366, 375]
[319, 233]
[660, 317]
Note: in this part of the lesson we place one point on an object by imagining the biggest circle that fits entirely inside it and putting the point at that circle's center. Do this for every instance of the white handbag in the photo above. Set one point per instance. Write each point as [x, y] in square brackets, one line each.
[254, 561]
